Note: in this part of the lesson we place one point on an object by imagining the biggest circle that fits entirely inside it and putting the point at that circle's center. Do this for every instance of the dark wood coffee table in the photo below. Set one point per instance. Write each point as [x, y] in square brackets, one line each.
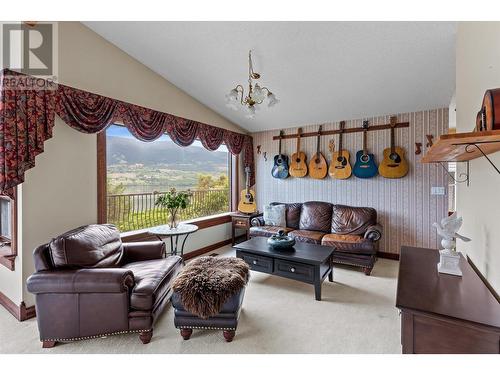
[305, 262]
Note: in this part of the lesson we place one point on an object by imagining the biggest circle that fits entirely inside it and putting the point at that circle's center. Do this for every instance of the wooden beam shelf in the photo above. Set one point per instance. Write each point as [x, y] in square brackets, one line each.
[338, 131]
[463, 146]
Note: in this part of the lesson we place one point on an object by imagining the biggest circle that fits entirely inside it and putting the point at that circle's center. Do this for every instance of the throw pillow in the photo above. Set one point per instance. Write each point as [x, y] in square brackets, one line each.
[275, 215]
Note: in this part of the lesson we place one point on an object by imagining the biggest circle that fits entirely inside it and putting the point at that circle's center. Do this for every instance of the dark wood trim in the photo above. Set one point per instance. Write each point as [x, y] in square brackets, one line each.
[209, 248]
[202, 223]
[8, 254]
[20, 312]
[101, 178]
[383, 254]
[483, 279]
[235, 166]
[347, 130]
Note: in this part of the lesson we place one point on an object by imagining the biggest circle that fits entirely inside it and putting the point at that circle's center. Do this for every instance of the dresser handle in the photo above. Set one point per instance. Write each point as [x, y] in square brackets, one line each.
[292, 269]
[254, 262]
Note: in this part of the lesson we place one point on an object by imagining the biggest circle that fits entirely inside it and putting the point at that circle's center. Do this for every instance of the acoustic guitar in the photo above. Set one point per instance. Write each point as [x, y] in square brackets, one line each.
[488, 118]
[280, 168]
[318, 168]
[247, 197]
[340, 168]
[394, 164]
[365, 166]
[298, 165]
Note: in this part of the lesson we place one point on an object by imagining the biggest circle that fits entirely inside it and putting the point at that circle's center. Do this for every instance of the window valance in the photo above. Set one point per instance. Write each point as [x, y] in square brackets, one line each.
[28, 106]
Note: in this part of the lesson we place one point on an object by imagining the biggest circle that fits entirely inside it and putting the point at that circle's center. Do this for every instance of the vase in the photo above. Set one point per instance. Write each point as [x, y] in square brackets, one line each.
[173, 220]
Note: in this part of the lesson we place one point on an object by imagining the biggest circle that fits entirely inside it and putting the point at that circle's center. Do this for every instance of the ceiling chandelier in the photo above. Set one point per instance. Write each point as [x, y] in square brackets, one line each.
[255, 96]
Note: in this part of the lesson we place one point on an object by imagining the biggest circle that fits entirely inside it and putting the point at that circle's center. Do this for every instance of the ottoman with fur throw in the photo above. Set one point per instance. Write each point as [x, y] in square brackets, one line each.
[208, 294]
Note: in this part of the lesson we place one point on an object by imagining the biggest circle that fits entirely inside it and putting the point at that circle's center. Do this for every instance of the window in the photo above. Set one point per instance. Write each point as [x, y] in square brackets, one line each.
[138, 172]
[8, 230]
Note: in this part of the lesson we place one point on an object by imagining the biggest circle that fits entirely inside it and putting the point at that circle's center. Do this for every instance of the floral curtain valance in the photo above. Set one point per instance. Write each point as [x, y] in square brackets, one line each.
[28, 106]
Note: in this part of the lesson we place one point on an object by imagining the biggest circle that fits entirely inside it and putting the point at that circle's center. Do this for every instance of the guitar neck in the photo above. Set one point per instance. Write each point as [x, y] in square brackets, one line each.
[365, 148]
[392, 140]
[340, 144]
[317, 147]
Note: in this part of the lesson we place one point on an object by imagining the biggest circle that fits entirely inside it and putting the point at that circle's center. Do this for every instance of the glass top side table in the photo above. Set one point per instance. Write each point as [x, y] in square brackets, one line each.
[164, 231]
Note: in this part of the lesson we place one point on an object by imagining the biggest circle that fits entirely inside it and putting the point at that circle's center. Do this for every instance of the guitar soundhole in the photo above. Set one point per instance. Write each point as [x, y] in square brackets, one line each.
[297, 160]
[395, 157]
[364, 158]
[317, 161]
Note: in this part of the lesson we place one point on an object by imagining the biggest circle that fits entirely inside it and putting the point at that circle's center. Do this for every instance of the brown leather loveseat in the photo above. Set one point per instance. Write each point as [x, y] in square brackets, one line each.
[89, 284]
[353, 231]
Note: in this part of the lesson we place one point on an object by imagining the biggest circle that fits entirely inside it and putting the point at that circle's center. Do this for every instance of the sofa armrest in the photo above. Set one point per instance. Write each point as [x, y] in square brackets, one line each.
[374, 232]
[139, 251]
[95, 280]
[257, 221]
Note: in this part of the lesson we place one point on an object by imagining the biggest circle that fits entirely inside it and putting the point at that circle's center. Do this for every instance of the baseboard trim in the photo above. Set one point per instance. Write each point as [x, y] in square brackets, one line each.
[483, 279]
[20, 312]
[209, 248]
[382, 254]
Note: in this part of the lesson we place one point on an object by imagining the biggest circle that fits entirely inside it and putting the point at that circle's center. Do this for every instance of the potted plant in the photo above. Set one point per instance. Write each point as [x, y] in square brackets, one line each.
[173, 201]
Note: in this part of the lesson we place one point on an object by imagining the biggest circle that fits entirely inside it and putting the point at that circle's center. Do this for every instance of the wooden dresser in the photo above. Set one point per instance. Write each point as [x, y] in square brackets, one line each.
[443, 313]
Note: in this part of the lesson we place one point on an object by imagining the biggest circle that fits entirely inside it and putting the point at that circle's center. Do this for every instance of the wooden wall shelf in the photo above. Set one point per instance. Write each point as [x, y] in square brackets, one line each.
[463, 146]
[338, 131]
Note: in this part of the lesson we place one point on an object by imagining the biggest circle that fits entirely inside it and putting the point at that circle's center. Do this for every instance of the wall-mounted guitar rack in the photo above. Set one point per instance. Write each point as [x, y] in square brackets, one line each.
[338, 131]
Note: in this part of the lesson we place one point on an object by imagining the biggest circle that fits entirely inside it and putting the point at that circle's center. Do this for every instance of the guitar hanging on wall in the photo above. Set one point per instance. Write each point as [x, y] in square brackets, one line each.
[247, 203]
[298, 165]
[340, 168]
[280, 168]
[394, 164]
[365, 166]
[318, 168]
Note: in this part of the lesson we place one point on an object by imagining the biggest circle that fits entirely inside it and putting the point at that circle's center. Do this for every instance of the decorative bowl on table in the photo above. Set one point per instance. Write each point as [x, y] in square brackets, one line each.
[280, 241]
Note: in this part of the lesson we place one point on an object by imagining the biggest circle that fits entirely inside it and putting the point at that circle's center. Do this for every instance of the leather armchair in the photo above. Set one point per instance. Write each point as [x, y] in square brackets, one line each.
[89, 284]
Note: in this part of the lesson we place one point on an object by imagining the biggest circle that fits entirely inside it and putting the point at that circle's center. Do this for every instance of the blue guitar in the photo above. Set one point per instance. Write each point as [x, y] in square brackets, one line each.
[365, 166]
[280, 168]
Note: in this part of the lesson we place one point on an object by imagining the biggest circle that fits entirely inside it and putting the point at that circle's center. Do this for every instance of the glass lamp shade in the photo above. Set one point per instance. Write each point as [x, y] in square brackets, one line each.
[232, 96]
[257, 94]
[250, 112]
[273, 100]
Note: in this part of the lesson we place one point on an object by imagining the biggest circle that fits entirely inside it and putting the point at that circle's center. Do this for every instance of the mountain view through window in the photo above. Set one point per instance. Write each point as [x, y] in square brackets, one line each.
[138, 172]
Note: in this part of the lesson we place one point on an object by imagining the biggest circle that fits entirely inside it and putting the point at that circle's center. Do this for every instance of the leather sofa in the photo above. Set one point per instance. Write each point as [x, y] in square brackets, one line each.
[89, 284]
[353, 231]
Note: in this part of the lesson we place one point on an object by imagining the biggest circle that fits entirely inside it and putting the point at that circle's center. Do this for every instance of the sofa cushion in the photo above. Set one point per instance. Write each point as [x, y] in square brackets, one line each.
[89, 246]
[152, 281]
[274, 214]
[349, 243]
[352, 220]
[316, 216]
[267, 231]
[309, 236]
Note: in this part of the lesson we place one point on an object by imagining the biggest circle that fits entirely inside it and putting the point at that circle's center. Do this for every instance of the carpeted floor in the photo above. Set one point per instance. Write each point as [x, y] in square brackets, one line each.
[356, 315]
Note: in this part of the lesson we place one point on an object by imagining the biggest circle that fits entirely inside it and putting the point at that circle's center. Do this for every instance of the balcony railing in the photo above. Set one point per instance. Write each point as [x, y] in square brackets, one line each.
[137, 211]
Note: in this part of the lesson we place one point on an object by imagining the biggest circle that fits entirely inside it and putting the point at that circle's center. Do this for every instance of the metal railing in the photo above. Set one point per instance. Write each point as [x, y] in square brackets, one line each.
[137, 211]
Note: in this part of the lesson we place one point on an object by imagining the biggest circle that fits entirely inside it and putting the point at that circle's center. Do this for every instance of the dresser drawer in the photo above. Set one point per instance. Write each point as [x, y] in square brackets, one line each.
[240, 223]
[258, 262]
[292, 270]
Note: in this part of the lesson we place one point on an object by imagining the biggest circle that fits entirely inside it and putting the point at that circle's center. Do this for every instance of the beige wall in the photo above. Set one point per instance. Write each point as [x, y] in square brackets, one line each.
[478, 69]
[60, 192]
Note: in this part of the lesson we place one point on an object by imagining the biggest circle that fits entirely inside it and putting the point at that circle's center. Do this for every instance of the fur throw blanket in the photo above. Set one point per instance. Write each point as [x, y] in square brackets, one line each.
[206, 283]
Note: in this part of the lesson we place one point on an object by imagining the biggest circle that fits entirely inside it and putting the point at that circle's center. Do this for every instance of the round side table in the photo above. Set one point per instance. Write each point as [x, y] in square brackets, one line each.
[164, 231]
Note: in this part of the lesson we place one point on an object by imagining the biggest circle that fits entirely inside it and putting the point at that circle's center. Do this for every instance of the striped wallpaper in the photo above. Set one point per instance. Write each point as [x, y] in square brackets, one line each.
[405, 206]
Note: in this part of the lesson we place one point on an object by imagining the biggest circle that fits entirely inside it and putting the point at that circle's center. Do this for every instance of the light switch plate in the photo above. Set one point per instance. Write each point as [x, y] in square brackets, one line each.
[437, 190]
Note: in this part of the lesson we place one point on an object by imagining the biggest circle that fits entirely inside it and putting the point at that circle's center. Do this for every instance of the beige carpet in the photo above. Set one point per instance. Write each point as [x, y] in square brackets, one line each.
[357, 315]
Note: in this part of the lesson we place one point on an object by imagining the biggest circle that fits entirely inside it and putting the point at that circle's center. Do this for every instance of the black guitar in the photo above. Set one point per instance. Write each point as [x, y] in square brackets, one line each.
[280, 168]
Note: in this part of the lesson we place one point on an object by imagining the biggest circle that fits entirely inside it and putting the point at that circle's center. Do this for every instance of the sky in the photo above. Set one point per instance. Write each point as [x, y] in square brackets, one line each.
[121, 131]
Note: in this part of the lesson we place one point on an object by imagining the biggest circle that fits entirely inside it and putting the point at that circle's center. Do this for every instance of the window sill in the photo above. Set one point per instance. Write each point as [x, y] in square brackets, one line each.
[202, 223]
[7, 259]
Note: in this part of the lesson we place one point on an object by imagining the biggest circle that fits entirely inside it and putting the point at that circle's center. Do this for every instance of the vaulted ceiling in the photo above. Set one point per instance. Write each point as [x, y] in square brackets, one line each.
[320, 71]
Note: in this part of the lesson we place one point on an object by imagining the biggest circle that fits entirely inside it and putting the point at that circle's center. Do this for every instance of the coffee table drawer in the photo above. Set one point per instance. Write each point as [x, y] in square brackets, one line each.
[292, 270]
[258, 262]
